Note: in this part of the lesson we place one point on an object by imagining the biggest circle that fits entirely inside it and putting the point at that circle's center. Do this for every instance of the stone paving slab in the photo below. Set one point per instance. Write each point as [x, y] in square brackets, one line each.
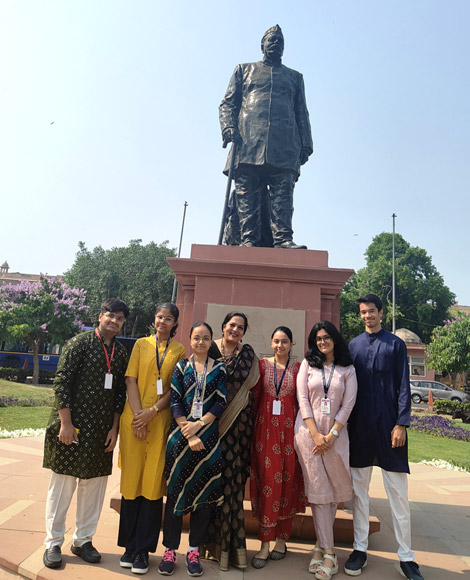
[440, 504]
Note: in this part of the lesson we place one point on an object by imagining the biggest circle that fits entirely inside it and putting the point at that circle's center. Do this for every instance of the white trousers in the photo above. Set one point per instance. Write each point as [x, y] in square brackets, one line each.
[90, 498]
[396, 487]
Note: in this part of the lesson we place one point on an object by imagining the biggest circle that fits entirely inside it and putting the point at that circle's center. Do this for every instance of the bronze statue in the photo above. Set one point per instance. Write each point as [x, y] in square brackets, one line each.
[264, 114]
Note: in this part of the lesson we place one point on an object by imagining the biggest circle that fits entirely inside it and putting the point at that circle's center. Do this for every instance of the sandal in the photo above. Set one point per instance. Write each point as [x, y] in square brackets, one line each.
[324, 573]
[314, 562]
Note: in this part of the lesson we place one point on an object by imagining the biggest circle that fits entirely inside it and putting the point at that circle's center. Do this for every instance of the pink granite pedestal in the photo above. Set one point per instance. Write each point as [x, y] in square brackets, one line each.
[272, 286]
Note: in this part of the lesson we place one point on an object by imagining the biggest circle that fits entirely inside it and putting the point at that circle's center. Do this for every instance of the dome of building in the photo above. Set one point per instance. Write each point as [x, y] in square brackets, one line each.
[407, 335]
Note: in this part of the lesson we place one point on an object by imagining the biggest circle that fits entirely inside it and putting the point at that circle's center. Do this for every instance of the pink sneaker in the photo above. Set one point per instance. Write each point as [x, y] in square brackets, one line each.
[168, 563]
[193, 564]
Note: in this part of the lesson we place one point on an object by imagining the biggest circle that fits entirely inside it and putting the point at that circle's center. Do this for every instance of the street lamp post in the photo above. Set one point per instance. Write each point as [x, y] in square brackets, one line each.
[393, 275]
[173, 294]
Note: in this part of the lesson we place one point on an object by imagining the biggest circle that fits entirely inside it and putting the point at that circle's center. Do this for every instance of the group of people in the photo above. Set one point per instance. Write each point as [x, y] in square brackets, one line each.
[194, 428]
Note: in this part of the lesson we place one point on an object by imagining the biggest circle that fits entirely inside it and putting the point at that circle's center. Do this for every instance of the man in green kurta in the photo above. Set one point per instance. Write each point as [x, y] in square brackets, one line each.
[82, 432]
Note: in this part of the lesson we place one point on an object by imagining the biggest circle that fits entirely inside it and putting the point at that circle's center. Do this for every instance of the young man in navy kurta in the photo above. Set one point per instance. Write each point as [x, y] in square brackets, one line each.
[377, 433]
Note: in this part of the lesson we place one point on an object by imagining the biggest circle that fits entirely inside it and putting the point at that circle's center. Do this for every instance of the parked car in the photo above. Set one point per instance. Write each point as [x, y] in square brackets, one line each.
[420, 392]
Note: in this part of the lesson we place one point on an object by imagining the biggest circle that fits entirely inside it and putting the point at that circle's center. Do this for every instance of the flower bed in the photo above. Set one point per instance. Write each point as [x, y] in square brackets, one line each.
[439, 426]
[6, 401]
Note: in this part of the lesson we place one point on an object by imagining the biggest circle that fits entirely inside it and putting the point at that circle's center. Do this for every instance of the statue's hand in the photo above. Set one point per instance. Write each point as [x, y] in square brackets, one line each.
[230, 135]
[304, 155]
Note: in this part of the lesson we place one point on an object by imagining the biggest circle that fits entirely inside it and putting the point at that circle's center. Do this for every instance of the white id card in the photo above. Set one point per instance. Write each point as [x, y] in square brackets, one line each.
[276, 407]
[108, 381]
[197, 410]
[325, 406]
[159, 387]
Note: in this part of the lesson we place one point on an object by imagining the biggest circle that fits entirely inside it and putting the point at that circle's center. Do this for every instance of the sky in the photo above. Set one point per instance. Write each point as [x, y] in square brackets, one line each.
[109, 123]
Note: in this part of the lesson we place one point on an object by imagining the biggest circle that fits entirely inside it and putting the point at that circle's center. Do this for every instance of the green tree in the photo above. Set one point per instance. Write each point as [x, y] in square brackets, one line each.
[422, 298]
[138, 274]
[44, 311]
[449, 349]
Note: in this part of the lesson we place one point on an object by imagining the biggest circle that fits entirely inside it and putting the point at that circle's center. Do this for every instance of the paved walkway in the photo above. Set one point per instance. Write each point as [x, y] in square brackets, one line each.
[440, 503]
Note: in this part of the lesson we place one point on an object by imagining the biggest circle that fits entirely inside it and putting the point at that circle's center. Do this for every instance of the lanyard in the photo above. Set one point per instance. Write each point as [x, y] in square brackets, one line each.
[108, 361]
[200, 384]
[278, 388]
[325, 385]
[160, 364]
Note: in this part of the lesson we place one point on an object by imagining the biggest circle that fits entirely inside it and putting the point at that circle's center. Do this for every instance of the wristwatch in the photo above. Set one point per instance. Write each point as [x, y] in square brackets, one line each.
[202, 423]
[334, 432]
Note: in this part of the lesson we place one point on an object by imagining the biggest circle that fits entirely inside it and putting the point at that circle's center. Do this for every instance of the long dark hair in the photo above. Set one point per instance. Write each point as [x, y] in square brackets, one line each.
[315, 358]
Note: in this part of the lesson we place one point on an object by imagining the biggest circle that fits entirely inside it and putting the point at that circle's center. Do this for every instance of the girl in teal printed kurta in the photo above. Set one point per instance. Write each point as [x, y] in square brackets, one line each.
[193, 457]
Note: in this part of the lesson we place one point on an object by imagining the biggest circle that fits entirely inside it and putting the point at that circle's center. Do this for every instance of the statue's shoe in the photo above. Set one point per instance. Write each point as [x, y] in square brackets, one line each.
[291, 246]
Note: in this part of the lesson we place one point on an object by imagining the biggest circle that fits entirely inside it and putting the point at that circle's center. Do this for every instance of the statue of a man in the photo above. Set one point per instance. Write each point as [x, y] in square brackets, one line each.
[264, 112]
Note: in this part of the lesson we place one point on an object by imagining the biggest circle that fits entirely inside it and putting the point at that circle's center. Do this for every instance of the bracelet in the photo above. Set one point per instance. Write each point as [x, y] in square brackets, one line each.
[155, 408]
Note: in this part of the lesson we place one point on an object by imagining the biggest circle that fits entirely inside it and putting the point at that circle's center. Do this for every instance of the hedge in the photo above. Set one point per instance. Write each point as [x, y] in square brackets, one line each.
[450, 407]
[15, 375]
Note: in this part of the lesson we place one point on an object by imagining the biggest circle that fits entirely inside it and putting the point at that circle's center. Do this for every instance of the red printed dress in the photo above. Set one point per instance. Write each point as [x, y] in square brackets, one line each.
[276, 483]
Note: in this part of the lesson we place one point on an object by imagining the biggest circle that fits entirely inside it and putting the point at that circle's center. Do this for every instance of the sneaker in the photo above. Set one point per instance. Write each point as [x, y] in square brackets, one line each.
[52, 557]
[127, 559]
[140, 565]
[168, 563]
[354, 564]
[193, 564]
[411, 571]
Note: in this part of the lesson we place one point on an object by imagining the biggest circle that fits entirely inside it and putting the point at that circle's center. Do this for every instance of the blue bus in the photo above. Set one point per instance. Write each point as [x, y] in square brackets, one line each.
[20, 356]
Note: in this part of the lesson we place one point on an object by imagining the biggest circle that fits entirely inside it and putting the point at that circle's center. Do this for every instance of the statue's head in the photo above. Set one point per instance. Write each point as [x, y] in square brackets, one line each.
[272, 43]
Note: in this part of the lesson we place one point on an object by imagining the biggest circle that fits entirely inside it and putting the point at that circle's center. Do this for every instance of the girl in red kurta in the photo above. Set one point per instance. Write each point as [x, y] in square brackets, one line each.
[276, 484]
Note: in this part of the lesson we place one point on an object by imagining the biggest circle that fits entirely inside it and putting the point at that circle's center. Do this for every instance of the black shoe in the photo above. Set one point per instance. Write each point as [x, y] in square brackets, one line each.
[291, 246]
[259, 563]
[86, 552]
[276, 555]
[127, 559]
[354, 564]
[140, 565]
[411, 571]
[52, 557]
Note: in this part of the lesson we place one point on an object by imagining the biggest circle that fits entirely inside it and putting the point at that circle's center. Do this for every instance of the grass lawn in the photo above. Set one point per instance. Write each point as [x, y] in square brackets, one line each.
[17, 416]
[12, 418]
[42, 395]
[425, 446]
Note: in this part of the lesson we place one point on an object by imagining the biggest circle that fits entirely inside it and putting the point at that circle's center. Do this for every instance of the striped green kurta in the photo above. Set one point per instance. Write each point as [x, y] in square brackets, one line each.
[194, 477]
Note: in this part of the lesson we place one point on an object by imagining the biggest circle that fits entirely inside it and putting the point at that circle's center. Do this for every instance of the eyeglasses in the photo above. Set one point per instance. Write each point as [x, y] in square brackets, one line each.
[325, 339]
[115, 317]
[167, 319]
[201, 339]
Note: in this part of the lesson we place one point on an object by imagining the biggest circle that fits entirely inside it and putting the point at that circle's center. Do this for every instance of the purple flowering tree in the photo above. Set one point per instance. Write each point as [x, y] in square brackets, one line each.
[450, 346]
[44, 311]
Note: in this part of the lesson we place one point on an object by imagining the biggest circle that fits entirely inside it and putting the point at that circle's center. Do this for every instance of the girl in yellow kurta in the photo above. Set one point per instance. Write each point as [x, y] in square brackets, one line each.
[143, 434]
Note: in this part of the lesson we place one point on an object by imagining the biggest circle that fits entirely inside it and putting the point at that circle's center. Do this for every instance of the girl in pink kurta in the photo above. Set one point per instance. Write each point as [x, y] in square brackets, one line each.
[326, 391]
[276, 484]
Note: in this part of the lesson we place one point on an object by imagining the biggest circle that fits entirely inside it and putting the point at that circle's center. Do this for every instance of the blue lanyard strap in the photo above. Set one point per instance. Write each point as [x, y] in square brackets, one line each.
[276, 386]
[160, 364]
[325, 385]
[200, 384]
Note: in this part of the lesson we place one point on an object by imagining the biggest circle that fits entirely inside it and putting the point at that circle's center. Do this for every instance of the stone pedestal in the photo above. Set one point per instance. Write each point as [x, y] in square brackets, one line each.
[271, 286]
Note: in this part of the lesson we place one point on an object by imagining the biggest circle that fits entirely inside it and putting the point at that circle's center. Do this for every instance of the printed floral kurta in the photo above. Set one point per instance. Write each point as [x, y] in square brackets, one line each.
[79, 385]
[276, 483]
